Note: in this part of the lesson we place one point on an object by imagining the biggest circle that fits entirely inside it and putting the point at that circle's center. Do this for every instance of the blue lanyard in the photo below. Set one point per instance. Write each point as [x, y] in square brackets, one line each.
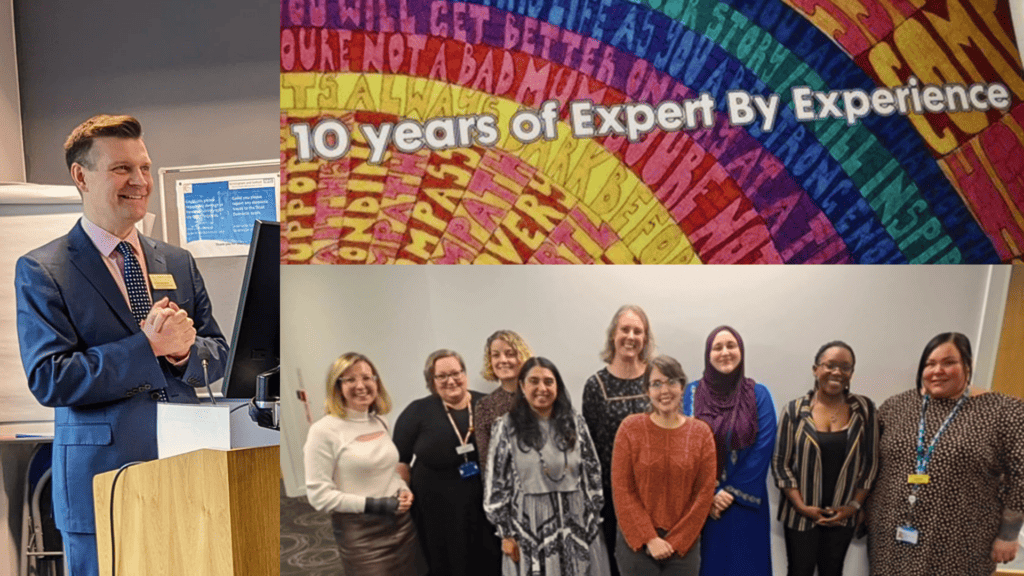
[924, 455]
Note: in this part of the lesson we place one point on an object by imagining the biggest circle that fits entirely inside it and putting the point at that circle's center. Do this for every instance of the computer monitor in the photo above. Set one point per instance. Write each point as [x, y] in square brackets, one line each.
[255, 345]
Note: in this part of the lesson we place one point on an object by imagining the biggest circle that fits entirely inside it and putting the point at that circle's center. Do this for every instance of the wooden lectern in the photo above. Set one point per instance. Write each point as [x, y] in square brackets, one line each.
[204, 513]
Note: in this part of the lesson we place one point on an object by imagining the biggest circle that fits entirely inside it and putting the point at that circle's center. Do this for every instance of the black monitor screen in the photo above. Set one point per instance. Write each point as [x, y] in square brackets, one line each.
[255, 347]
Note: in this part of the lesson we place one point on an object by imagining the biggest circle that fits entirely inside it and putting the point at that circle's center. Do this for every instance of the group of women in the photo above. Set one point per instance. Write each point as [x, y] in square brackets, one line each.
[657, 476]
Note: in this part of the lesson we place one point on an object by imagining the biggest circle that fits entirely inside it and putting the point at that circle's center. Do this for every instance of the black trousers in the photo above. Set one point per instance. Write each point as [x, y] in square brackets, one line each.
[821, 547]
[610, 527]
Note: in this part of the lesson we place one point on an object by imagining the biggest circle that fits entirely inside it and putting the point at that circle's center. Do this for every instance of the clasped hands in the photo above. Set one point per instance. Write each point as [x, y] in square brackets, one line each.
[829, 517]
[169, 330]
[659, 548]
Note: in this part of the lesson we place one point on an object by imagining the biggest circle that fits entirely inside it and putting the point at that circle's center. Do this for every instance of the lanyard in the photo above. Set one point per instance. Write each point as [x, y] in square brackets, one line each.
[924, 455]
[462, 440]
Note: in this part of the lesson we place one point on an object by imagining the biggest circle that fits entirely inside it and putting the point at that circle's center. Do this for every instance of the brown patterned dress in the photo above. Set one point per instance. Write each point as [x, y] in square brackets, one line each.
[976, 471]
[489, 410]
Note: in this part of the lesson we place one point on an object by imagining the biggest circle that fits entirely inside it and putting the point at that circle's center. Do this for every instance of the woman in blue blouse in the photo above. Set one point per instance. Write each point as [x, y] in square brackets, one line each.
[736, 537]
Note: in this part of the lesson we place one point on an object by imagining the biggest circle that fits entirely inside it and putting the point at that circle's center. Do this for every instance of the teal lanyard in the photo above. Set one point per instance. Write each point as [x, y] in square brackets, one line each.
[924, 454]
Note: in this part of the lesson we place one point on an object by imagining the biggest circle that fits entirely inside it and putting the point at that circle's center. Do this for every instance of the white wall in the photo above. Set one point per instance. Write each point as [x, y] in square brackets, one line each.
[398, 315]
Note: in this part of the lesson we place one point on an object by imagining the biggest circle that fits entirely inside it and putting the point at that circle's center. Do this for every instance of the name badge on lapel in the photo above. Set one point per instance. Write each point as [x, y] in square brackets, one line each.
[162, 282]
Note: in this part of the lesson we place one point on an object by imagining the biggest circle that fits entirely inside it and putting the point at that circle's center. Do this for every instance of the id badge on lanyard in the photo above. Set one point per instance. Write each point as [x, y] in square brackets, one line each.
[907, 534]
[469, 468]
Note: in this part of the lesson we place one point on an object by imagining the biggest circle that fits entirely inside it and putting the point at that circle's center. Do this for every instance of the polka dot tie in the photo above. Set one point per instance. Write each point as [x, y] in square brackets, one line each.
[135, 282]
[138, 295]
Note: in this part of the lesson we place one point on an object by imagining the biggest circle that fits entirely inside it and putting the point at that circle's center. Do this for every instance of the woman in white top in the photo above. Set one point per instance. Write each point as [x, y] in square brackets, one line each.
[351, 471]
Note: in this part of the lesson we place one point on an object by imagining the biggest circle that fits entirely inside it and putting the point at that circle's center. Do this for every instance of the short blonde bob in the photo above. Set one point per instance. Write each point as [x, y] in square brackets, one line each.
[428, 366]
[512, 339]
[335, 402]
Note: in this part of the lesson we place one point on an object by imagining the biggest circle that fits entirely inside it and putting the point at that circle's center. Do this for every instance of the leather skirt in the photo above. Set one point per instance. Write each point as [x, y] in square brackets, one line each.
[372, 545]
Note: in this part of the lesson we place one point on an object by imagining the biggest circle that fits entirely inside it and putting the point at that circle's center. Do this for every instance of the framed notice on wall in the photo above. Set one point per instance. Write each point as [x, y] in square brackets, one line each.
[210, 209]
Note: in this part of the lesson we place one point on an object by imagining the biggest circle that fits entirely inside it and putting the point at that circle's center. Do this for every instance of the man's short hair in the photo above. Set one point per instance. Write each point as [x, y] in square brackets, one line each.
[79, 142]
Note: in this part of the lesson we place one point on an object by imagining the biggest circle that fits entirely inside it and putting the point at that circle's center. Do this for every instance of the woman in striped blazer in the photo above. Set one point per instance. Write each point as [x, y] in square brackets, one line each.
[825, 462]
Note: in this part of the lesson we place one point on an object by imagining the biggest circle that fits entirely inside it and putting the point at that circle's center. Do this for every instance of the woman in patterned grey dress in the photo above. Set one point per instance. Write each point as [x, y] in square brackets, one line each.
[966, 517]
[616, 391]
[543, 486]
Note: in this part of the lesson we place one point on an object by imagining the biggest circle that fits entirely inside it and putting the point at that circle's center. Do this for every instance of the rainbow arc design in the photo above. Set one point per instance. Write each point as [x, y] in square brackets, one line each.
[931, 188]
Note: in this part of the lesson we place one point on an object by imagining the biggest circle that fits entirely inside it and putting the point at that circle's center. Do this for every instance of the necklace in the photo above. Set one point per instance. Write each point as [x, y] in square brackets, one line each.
[546, 436]
[547, 471]
[832, 414]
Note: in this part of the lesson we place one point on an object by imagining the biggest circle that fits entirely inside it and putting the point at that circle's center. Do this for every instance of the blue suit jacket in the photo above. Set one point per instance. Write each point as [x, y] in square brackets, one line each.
[86, 356]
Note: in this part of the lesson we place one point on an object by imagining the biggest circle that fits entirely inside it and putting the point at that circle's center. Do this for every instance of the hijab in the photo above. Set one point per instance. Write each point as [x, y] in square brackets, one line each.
[727, 402]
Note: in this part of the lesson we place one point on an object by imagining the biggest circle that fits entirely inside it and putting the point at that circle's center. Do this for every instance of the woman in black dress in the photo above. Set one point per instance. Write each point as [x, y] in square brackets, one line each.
[438, 431]
[614, 392]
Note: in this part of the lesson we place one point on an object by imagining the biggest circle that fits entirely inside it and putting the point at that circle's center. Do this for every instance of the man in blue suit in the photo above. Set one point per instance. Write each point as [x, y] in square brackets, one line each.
[110, 323]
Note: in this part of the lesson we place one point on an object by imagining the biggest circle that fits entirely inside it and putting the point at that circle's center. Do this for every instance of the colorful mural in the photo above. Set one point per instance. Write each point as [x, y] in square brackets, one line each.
[662, 131]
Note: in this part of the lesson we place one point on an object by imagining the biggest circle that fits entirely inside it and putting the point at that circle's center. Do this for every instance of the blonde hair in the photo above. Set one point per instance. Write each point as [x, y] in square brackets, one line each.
[512, 339]
[428, 366]
[608, 354]
[335, 402]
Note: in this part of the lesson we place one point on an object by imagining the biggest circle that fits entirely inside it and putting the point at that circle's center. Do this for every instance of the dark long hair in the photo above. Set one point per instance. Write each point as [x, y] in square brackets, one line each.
[963, 345]
[524, 420]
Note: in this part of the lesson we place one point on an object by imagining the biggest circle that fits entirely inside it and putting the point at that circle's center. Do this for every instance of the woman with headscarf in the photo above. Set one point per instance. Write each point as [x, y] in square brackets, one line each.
[740, 412]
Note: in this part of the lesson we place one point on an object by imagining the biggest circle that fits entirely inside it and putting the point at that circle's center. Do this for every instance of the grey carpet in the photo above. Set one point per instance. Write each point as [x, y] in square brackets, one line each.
[307, 542]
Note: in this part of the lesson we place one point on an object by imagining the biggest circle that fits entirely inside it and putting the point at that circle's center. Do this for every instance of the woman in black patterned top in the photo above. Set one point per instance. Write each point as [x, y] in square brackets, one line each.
[825, 463]
[616, 391]
[956, 508]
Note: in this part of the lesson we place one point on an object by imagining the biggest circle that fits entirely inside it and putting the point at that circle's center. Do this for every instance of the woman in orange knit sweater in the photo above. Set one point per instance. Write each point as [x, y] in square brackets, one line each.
[663, 480]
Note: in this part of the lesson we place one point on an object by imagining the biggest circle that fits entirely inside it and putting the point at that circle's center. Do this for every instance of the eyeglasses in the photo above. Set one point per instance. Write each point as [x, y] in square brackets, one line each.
[439, 378]
[831, 366]
[658, 384]
[365, 380]
[945, 364]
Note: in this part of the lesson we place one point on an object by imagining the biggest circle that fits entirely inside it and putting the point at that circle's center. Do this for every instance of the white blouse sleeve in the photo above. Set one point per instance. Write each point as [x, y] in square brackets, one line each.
[321, 453]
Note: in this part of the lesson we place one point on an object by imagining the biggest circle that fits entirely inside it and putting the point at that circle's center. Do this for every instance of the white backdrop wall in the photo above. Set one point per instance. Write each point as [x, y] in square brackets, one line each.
[397, 315]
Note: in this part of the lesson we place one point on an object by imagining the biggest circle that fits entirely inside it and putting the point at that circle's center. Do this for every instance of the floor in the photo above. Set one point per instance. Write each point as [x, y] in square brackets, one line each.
[307, 543]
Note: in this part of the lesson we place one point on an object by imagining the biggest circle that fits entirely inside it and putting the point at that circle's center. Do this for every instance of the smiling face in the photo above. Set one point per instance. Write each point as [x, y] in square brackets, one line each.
[833, 371]
[450, 380]
[725, 352]
[540, 390]
[358, 387]
[665, 394]
[116, 183]
[505, 361]
[630, 336]
[945, 375]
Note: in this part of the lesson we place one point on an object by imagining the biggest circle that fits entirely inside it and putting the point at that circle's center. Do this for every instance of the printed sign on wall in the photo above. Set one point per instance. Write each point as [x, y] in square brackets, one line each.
[217, 214]
[661, 131]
